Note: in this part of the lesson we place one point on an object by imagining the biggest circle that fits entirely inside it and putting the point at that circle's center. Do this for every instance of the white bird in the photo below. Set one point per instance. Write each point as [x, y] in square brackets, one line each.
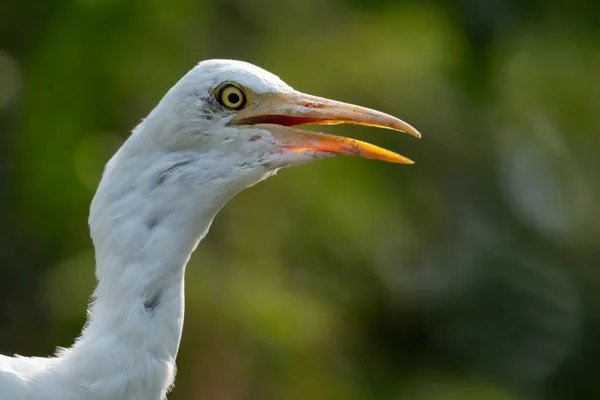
[225, 126]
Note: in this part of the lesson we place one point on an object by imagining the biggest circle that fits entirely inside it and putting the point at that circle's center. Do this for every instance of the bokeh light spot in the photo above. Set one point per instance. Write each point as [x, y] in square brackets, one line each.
[10, 79]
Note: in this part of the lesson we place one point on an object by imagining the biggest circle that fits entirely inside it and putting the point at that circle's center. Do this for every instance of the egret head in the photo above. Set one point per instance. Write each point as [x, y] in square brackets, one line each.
[223, 127]
[246, 117]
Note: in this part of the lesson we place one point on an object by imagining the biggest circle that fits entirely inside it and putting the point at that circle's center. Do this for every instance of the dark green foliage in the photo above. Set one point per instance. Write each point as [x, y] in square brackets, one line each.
[470, 275]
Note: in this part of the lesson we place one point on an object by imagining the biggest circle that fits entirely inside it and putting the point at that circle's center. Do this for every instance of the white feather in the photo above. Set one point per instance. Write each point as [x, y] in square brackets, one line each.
[156, 201]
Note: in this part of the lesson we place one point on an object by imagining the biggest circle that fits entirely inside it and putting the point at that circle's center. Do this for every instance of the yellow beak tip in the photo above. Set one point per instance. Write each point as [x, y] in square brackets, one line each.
[405, 160]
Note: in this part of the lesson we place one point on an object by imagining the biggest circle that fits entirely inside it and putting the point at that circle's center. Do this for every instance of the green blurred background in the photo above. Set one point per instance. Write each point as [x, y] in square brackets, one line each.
[470, 275]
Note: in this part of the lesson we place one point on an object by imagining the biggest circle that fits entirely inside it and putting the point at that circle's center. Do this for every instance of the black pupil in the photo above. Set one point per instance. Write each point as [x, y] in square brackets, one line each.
[233, 98]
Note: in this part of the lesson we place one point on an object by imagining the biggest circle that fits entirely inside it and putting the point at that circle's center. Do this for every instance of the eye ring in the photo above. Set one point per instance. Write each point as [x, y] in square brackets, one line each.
[232, 96]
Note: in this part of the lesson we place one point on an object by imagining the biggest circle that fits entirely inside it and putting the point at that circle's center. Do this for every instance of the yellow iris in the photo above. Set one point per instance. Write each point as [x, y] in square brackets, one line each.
[231, 96]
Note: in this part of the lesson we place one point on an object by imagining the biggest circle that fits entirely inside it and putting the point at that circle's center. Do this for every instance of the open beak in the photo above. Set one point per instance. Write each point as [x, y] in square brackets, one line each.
[279, 112]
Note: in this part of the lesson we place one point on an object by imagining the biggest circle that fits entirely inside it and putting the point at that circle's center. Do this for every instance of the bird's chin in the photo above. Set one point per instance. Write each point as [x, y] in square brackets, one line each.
[291, 157]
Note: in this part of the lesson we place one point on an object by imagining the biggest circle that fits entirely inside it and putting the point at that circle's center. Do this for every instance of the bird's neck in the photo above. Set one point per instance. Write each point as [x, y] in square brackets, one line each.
[146, 220]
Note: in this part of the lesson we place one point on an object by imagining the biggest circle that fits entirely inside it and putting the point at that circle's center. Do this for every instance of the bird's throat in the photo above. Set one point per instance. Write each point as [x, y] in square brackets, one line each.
[144, 232]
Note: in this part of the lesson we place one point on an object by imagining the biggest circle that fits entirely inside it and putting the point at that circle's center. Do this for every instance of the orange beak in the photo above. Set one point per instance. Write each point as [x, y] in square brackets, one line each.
[279, 112]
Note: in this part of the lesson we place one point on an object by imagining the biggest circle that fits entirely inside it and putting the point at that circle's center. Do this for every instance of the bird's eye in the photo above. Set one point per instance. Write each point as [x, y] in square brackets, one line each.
[232, 97]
